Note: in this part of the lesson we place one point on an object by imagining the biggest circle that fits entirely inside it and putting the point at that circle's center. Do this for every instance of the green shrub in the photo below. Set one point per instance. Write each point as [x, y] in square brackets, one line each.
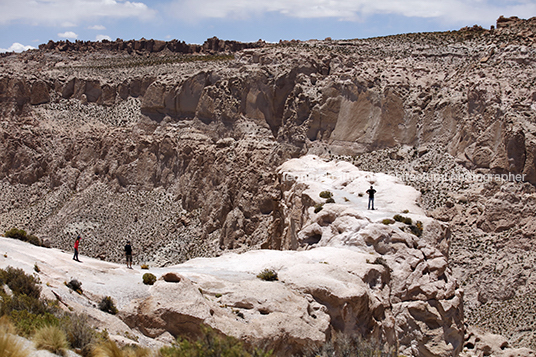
[27, 322]
[330, 200]
[387, 221]
[21, 234]
[319, 207]
[107, 305]
[24, 306]
[34, 240]
[15, 233]
[75, 285]
[405, 211]
[149, 278]
[326, 194]
[51, 338]
[19, 282]
[398, 218]
[212, 344]
[267, 275]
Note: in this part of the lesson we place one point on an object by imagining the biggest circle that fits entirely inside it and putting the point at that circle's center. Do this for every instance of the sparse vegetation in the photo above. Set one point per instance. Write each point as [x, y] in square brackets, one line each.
[149, 278]
[402, 219]
[342, 345]
[10, 346]
[330, 200]
[268, 275]
[417, 228]
[326, 194]
[107, 305]
[75, 285]
[157, 61]
[107, 348]
[144, 266]
[212, 344]
[23, 305]
[27, 322]
[51, 338]
[319, 207]
[21, 234]
[381, 261]
[20, 283]
[79, 333]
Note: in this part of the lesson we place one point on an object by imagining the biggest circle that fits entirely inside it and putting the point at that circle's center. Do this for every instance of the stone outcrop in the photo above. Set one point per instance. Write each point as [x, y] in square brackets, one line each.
[211, 45]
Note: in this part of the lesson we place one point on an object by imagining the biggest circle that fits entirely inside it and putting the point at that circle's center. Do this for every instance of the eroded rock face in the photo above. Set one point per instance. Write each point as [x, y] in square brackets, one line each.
[360, 277]
[180, 157]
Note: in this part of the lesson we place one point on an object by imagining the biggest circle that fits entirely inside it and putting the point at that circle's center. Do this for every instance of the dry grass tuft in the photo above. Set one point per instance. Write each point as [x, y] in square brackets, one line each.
[107, 348]
[51, 338]
[10, 345]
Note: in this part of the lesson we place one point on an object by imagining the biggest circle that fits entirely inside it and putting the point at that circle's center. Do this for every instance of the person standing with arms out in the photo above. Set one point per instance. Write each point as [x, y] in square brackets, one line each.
[371, 191]
[76, 244]
[128, 253]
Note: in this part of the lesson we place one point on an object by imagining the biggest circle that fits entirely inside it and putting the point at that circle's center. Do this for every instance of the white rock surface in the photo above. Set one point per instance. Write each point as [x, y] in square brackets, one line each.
[361, 277]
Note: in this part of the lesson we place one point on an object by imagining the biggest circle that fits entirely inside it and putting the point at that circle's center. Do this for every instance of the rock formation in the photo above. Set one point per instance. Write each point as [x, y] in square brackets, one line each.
[175, 147]
[362, 277]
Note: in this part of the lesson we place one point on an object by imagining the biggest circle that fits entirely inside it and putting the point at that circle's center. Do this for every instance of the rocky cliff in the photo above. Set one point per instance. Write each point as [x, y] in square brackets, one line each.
[177, 150]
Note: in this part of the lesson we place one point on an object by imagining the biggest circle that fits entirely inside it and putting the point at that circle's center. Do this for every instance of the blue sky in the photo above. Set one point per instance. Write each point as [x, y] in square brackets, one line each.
[26, 23]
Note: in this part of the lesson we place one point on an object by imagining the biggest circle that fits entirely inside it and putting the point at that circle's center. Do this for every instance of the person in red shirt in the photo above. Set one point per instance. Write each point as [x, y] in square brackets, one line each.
[76, 244]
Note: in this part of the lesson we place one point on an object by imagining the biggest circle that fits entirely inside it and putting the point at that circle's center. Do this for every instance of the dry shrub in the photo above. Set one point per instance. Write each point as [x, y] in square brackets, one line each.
[136, 351]
[107, 305]
[51, 338]
[107, 348]
[10, 345]
[79, 333]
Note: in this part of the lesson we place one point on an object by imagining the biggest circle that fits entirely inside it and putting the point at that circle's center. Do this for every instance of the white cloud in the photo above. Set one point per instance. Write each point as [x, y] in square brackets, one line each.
[97, 27]
[60, 12]
[103, 37]
[68, 34]
[451, 11]
[17, 47]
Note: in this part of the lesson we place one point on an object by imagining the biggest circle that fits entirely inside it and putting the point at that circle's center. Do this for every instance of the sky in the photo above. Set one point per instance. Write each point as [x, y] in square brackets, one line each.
[25, 24]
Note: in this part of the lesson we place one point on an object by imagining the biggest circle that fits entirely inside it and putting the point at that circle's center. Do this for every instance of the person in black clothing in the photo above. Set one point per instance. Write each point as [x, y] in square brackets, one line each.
[371, 191]
[128, 253]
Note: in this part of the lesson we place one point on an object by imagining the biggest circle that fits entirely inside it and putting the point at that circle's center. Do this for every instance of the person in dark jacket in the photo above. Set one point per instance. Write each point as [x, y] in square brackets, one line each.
[128, 254]
[371, 191]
